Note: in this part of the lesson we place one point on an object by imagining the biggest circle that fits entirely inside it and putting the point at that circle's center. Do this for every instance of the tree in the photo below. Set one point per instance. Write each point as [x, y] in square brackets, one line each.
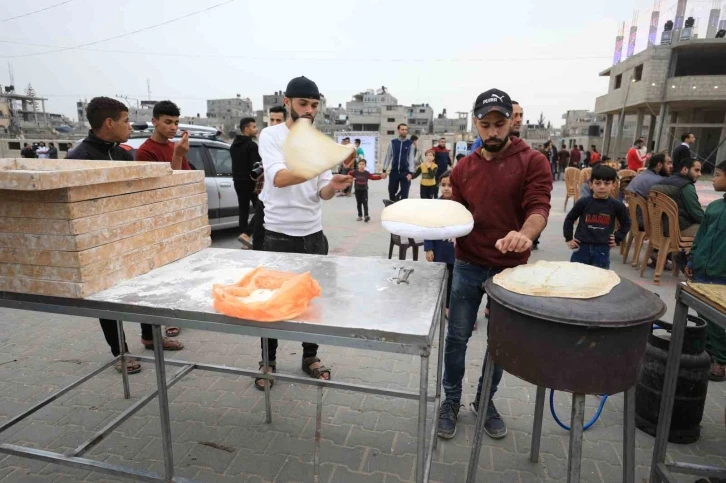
[541, 120]
[30, 92]
[549, 125]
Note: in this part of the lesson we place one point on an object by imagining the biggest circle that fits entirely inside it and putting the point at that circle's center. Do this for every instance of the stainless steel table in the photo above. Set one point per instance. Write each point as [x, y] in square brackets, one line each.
[660, 471]
[364, 305]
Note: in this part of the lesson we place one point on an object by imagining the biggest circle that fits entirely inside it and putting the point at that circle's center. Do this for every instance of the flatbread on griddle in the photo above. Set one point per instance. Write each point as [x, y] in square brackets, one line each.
[558, 279]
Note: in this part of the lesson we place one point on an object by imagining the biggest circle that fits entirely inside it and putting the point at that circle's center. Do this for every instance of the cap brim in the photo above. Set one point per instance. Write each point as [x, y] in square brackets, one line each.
[483, 111]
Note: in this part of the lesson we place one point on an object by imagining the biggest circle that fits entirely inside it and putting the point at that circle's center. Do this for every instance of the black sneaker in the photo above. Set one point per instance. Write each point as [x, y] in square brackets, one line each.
[494, 425]
[448, 415]
[367, 219]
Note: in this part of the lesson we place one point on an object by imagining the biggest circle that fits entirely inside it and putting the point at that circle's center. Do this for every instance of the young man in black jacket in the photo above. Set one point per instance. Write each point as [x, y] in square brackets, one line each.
[109, 120]
[683, 151]
[244, 156]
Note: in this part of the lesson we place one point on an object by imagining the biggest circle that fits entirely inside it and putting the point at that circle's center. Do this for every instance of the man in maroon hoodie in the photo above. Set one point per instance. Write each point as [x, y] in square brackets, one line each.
[506, 185]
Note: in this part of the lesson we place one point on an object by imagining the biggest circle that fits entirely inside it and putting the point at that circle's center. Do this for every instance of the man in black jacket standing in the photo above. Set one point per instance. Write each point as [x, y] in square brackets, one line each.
[109, 120]
[683, 151]
[244, 155]
[52, 151]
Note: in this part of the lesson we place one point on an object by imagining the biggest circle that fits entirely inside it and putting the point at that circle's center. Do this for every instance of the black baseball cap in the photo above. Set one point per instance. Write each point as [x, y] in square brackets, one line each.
[493, 100]
[303, 88]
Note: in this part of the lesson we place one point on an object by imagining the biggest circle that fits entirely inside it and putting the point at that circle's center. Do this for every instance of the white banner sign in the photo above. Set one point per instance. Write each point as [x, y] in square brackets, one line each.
[368, 144]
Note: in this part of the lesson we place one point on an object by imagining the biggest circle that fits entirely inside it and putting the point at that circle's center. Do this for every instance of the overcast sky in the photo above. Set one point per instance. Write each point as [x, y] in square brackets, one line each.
[545, 54]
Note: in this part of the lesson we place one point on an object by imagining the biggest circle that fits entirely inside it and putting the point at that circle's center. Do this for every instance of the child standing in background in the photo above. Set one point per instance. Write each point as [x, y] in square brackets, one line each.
[361, 177]
[708, 265]
[443, 250]
[427, 171]
[595, 216]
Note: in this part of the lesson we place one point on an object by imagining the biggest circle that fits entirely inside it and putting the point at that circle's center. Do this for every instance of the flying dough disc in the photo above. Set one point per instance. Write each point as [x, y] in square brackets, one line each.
[309, 153]
[427, 219]
[558, 279]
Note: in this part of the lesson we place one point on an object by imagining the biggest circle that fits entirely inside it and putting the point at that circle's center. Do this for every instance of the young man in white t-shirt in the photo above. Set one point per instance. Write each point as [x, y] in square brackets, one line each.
[293, 205]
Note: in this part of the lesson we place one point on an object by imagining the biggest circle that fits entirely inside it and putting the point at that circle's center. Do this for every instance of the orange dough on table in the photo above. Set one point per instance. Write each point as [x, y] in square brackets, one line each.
[291, 297]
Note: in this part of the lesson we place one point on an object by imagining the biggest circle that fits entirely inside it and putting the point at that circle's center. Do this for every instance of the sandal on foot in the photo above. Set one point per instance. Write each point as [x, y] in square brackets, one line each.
[169, 345]
[314, 372]
[246, 244]
[172, 331]
[718, 372]
[273, 369]
[132, 367]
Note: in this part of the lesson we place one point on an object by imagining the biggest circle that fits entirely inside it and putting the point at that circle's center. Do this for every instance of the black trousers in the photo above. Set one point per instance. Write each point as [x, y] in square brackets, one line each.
[397, 183]
[314, 244]
[110, 332]
[361, 198]
[256, 228]
[245, 189]
[428, 192]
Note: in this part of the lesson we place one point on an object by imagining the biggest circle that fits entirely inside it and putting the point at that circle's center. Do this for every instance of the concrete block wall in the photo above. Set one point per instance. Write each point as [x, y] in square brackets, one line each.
[682, 88]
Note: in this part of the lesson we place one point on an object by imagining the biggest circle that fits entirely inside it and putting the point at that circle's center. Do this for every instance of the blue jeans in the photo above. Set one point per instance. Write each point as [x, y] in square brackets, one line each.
[595, 255]
[466, 293]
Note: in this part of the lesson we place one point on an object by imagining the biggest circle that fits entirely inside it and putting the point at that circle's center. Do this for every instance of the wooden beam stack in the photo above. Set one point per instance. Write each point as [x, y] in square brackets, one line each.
[70, 230]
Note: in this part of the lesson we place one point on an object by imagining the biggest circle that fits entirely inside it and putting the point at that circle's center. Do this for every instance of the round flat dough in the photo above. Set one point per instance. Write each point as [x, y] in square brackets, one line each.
[309, 153]
[427, 219]
[558, 279]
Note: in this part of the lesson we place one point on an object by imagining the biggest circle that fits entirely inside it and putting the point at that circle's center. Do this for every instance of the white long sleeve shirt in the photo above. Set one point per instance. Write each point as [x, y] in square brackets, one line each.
[293, 210]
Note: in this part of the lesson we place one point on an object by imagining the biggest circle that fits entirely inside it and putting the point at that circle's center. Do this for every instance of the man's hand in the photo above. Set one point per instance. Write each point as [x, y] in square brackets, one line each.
[688, 271]
[573, 244]
[429, 255]
[409, 176]
[182, 147]
[513, 242]
[612, 241]
[384, 175]
[340, 182]
[180, 150]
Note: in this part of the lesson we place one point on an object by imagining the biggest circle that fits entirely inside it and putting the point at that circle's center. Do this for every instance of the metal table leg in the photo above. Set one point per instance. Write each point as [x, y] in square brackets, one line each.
[422, 410]
[537, 427]
[122, 356]
[486, 389]
[629, 437]
[163, 402]
[266, 362]
[667, 400]
[318, 424]
[440, 364]
[574, 460]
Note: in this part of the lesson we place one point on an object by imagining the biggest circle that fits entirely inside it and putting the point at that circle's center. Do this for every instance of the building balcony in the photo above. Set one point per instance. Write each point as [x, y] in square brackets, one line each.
[363, 119]
[696, 88]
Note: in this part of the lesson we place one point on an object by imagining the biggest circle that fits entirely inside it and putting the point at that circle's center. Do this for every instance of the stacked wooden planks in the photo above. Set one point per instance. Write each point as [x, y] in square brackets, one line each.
[76, 240]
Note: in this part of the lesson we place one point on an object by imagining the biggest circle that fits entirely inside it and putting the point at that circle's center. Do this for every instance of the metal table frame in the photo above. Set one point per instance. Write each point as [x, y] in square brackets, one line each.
[660, 471]
[82, 308]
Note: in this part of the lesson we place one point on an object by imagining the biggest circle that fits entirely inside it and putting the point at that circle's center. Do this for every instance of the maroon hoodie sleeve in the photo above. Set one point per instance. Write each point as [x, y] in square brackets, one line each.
[455, 187]
[538, 187]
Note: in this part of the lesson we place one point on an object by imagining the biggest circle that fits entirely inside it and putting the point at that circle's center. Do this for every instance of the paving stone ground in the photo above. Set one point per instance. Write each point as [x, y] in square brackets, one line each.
[365, 438]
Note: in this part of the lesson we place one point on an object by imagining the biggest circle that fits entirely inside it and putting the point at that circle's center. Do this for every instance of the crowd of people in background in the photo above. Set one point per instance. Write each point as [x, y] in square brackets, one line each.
[39, 150]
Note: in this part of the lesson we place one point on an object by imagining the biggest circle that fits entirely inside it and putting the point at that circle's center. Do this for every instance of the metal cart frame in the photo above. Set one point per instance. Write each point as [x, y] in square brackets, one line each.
[660, 471]
[125, 302]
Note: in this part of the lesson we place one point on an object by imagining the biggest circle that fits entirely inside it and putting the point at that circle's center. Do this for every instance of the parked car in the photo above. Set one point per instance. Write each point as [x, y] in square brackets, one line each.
[206, 153]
